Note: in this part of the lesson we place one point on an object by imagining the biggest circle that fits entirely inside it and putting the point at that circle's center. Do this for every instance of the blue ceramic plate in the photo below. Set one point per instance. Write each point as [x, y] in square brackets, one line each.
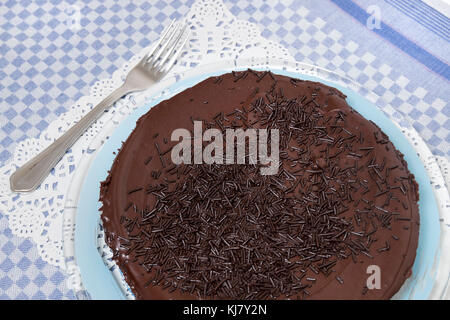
[98, 279]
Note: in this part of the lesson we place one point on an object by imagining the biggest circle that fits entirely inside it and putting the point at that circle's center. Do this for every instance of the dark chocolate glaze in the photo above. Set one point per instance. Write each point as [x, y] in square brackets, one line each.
[131, 169]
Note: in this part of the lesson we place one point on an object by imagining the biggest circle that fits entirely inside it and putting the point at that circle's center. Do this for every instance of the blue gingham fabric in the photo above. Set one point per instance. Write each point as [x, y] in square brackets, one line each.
[52, 51]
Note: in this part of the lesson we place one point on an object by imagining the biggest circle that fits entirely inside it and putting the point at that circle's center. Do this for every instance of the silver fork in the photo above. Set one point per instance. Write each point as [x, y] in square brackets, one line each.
[147, 72]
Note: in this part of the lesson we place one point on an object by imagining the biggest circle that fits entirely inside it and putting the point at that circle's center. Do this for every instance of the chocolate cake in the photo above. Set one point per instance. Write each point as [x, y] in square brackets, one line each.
[341, 201]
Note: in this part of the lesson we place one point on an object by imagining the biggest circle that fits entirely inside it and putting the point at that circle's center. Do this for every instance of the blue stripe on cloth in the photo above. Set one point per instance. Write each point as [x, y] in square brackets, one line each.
[424, 15]
[397, 39]
[425, 8]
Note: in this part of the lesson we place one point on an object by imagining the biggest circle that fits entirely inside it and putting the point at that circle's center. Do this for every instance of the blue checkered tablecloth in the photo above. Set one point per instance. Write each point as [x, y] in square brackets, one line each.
[46, 64]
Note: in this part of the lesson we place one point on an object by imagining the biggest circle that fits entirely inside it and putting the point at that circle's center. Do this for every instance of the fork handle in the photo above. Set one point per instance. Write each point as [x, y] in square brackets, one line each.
[29, 176]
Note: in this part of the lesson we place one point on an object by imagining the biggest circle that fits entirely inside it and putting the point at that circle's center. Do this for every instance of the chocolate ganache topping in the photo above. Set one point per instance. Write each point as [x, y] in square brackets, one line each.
[341, 202]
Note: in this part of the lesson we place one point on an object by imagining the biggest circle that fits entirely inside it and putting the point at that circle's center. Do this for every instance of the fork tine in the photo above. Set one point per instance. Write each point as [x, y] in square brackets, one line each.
[171, 48]
[154, 58]
[163, 36]
[177, 48]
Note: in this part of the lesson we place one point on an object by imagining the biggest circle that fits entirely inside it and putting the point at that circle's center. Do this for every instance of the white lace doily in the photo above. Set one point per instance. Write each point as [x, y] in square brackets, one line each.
[47, 216]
